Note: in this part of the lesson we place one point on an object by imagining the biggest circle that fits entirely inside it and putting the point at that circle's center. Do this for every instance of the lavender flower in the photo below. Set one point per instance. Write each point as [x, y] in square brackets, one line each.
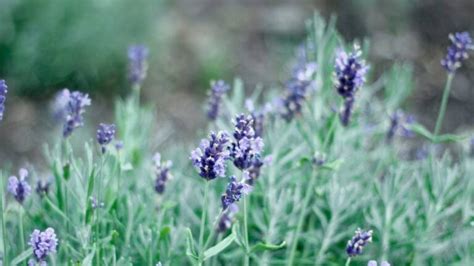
[59, 105]
[297, 89]
[119, 145]
[95, 204]
[458, 51]
[76, 103]
[43, 244]
[162, 172]
[42, 187]
[246, 147]
[3, 97]
[225, 221]
[18, 187]
[350, 71]
[254, 170]
[234, 192]
[319, 159]
[399, 124]
[258, 116]
[421, 153]
[374, 263]
[105, 134]
[218, 89]
[209, 158]
[138, 66]
[356, 244]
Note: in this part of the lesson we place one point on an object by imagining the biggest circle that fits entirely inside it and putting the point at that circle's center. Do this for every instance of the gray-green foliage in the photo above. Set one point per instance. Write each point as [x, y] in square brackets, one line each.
[421, 211]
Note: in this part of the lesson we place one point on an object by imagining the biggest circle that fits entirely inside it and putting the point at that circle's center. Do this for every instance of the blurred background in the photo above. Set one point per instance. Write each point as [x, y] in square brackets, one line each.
[49, 45]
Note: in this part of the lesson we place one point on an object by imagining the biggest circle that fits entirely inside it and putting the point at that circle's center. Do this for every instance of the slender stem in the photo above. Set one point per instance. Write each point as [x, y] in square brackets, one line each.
[386, 231]
[210, 238]
[444, 103]
[99, 180]
[348, 261]
[4, 236]
[328, 234]
[332, 127]
[203, 217]
[299, 225]
[246, 235]
[22, 232]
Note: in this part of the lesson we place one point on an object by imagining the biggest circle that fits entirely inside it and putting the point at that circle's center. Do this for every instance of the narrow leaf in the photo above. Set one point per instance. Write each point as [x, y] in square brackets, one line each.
[219, 247]
[450, 138]
[422, 131]
[190, 244]
[22, 257]
[87, 261]
[267, 246]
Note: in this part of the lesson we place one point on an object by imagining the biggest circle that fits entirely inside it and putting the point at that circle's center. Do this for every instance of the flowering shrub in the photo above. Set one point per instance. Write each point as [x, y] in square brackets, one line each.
[287, 181]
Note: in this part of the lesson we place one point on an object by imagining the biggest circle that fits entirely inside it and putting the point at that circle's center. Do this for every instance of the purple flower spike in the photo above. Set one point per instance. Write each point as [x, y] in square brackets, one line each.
[458, 51]
[43, 244]
[350, 71]
[209, 158]
[246, 146]
[399, 125]
[162, 172]
[95, 204]
[3, 97]
[105, 134]
[18, 187]
[298, 88]
[234, 192]
[75, 108]
[59, 105]
[356, 244]
[225, 221]
[218, 89]
[138, 65]
[42, 187]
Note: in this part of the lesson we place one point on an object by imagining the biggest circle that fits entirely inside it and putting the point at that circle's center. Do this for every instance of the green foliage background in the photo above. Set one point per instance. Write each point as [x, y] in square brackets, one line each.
[47, 45]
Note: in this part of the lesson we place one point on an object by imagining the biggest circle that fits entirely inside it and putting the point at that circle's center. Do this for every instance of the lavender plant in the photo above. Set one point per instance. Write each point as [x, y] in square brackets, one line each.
[295, 202]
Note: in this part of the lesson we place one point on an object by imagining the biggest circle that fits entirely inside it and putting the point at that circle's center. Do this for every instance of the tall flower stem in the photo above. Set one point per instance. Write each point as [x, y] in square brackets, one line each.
[299, 225]
[348, 262]
[203, 218]
[22, 231]
[4, 236]
[444, 103]
[246, 234]
[99, 180]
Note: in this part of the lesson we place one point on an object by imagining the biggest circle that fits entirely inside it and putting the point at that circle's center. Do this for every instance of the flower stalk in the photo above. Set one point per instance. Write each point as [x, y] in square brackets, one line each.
[444, 104]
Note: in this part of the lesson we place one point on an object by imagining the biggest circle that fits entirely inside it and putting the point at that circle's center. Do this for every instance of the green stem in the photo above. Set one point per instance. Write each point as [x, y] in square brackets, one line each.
[299, 225]
[332, 127]
[386, 232]
[4, 236]
[22, 232]
[246, 235]
[99, 200]
[203, 218]
[444, 103]
[348, 261]
[328, 234]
